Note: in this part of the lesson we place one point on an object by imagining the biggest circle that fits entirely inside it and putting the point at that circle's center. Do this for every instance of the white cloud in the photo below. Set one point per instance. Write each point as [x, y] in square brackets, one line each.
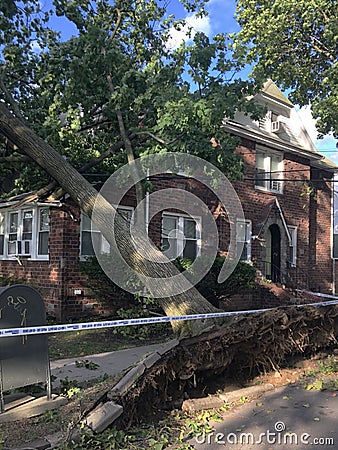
[198, 24]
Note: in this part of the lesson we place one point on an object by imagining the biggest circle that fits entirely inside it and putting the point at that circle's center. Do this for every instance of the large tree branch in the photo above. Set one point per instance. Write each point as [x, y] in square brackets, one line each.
[15, 159]
[8, 97]
[108, 153]
[158, 139]
[127, 145]
[130, 156]
[117, 26]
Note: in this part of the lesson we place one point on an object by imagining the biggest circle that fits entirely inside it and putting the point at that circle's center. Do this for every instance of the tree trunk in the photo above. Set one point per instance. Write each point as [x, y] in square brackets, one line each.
[84, 194]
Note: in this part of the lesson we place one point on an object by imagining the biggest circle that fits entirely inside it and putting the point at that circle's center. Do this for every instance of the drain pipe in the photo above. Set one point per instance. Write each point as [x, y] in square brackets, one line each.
[147, 205]
[333, 276]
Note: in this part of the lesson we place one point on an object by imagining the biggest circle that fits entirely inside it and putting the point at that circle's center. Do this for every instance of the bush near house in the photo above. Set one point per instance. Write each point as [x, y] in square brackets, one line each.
[103, 289]
[242, 278]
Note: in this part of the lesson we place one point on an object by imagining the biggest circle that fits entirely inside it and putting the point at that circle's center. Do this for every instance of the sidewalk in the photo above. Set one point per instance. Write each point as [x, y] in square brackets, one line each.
[85, 368]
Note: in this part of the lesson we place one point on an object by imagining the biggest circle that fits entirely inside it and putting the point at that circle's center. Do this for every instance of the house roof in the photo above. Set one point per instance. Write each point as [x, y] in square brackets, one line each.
[26, 198]
[294, 137]
[273, 91]
[265, 213]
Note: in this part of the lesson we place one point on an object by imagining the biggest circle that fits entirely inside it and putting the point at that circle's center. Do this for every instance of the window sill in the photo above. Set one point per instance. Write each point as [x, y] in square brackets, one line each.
[24, 258]
[268, 191]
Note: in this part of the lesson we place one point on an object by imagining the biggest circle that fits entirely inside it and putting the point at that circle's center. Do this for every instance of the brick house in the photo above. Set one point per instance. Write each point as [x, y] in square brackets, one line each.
[286, 194]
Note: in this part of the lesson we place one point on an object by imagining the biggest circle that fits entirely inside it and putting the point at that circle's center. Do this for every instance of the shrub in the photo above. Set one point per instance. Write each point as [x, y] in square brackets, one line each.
[242, 278]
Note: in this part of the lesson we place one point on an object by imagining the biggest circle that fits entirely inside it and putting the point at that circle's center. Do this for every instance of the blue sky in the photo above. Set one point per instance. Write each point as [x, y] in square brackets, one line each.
[220, 19]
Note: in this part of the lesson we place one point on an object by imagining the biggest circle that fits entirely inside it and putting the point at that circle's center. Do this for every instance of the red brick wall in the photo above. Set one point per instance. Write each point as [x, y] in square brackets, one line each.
[320, 262]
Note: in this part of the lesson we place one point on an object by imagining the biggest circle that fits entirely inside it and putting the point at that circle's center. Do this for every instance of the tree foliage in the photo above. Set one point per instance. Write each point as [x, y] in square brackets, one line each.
[118, 87]
[295, 43]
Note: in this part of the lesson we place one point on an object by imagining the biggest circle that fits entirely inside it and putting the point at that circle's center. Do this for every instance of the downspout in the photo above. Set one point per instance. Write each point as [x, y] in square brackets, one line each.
[332, 236]
[147, 205]
[147, 212]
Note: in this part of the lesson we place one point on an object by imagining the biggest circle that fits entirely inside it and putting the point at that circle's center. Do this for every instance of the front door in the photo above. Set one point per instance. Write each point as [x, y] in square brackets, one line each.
[275, 253]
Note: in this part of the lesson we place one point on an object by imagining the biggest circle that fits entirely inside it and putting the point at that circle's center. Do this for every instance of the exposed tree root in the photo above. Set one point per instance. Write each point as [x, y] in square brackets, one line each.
[261, 342]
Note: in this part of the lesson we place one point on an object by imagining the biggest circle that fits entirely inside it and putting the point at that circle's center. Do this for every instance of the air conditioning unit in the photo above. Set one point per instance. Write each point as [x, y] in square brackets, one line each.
[276, 185]
[276, 127]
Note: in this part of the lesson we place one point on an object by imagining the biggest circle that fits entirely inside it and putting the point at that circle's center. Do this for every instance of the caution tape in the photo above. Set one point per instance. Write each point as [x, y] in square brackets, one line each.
[45, 329]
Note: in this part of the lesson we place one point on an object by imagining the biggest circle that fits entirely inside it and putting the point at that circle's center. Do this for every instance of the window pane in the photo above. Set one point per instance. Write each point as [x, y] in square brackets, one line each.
[261, 177]
[169, 248]
[27, 221]
[275, 164]
[44, 220]
[241, 232]
[85, 222]
[12, 247]
[105, 246]
[260, 159]
[13, 223]
[86, 244]
[243, 256]
[2, 233]
[189, 229]
[293, 235]
[87, 248]
[190, 249]
[335, 246]
[169, 226]
[2, 224]
[43, 243]
[13, 236]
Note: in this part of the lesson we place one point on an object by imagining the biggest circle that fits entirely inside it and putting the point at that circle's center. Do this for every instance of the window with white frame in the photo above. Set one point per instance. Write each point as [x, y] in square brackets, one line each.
[43, 231]
[91, 236]
[269, 171]
[243, 239]
[181, 236]
[2, 233]
[24, 232]
[293, 246]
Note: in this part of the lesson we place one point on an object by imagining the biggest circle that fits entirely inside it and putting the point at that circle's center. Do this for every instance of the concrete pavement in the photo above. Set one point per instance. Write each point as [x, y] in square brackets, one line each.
[289, 417]
[85, 368]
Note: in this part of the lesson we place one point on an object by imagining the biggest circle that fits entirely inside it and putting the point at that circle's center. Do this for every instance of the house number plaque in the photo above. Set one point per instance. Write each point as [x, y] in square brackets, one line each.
[24, 360]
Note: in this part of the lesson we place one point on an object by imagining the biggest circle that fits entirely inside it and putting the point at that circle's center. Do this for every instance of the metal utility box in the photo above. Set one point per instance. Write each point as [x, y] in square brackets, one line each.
[24, 360]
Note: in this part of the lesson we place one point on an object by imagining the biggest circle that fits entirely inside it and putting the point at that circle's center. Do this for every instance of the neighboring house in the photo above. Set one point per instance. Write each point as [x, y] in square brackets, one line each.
[286, 194]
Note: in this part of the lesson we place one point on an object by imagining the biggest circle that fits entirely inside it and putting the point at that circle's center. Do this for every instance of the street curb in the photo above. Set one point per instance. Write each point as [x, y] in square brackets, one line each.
[217, 401]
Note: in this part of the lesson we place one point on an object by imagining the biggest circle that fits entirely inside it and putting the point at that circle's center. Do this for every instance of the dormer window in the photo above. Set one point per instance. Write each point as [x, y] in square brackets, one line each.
[269, 171]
